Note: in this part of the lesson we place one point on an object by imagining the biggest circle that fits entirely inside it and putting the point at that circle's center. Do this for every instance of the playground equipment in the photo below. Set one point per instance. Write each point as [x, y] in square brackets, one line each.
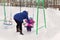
[7, 22]
[38, 1]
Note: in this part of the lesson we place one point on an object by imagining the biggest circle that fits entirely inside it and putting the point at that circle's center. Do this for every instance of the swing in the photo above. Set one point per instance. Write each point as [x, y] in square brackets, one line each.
[6, 22]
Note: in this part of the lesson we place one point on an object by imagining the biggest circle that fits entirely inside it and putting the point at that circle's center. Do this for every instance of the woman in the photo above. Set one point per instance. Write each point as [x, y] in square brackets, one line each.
[19, 17]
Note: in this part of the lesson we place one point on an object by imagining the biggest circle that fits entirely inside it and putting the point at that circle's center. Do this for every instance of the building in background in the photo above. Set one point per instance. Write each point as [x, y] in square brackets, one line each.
[31, 3]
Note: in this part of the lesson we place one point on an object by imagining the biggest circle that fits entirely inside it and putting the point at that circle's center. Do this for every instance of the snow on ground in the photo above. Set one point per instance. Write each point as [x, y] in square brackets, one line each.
[52, 32]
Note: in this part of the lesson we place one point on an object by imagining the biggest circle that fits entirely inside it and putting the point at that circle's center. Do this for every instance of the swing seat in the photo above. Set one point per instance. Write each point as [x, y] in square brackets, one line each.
[7, 23]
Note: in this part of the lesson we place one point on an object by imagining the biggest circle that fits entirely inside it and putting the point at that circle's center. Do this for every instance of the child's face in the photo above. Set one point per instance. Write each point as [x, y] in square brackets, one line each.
[31, 19]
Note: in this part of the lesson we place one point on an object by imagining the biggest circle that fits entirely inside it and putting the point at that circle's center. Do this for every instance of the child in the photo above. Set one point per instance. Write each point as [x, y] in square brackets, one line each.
[29, 24]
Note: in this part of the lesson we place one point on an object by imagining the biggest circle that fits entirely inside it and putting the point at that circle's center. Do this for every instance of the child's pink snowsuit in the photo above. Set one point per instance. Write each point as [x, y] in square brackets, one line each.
[31, 23]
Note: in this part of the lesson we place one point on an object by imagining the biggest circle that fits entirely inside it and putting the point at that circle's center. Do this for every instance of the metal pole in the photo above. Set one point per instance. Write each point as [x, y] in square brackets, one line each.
[20, 5]
[38, 1]
[4, 11]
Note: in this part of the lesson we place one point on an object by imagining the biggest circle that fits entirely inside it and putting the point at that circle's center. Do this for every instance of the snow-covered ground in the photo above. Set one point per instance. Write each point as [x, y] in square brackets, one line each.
[51, 32]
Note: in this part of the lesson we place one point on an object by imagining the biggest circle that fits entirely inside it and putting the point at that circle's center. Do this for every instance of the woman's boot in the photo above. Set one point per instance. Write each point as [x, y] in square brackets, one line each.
[21, 33]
